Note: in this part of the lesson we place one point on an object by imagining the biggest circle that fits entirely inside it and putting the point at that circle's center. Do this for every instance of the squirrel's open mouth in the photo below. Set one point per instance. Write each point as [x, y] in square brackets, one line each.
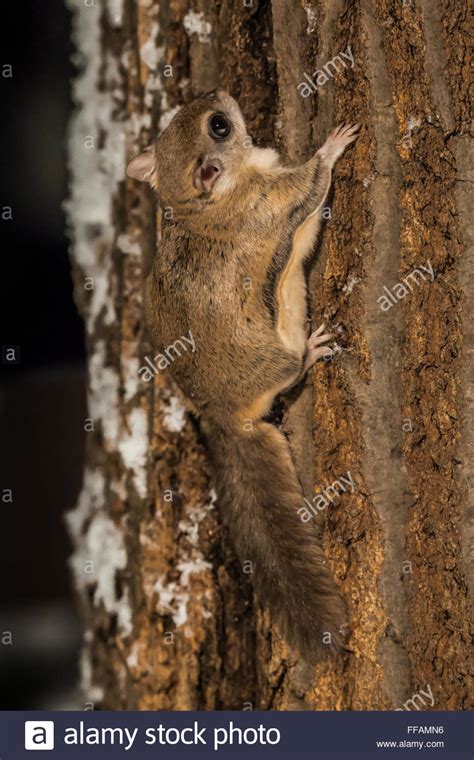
[206, 173]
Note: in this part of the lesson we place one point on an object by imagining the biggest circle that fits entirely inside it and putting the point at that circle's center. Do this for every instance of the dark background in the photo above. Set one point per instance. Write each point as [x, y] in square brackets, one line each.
[42, 396]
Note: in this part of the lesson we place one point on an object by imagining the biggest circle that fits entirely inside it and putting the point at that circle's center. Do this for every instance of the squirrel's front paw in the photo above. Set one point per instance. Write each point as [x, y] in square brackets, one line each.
[315, 349]
[337, 142]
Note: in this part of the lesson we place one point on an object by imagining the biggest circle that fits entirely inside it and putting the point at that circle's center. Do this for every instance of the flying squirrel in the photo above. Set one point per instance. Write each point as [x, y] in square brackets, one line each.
[230, 269]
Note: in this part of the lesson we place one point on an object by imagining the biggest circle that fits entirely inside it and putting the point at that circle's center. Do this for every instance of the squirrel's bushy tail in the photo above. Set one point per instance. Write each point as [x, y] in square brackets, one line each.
[259, 495]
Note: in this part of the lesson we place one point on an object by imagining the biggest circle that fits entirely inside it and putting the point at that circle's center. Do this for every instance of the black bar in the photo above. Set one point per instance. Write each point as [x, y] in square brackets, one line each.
[319, 735]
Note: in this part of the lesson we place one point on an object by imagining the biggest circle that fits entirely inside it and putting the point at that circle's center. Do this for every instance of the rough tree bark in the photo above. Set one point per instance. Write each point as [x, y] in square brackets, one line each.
[169, 615]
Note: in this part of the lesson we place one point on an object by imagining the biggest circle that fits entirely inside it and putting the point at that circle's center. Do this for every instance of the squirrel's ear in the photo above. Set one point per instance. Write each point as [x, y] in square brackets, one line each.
[143, 166]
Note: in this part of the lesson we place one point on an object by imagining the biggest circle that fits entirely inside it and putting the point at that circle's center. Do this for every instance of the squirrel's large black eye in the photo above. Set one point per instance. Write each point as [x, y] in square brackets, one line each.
[219, 126]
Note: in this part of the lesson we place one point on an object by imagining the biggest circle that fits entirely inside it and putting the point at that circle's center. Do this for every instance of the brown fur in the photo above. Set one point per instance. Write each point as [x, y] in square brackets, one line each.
[230, 269]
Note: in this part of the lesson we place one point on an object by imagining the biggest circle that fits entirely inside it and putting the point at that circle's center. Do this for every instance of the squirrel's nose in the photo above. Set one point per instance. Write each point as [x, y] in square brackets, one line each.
[206, 174]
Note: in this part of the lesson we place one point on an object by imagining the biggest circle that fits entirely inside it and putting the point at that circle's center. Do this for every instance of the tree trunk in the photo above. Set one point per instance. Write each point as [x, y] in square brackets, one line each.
[170, 618]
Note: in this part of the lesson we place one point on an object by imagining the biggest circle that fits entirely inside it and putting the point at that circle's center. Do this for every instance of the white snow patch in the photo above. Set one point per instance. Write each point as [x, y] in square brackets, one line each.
[91, 499]
[350, 285]
[172, 600]
[115, 11]
[190, 524]
[174, 417]
[103, 545]
[98, 541]
[127, 245]
[181, 614]
[153, 84]
[150, 53]
[96, 171]
[125, 58]
[133, 447]
[171, 597]
[103, 394]
[132, 659]
[195, 23]
[413, 123]
[152, 56]
[139, 122]
[130, 367]
[91, 691]
[311, 19]
[118, 486]
[101, 273]
[189, 567]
